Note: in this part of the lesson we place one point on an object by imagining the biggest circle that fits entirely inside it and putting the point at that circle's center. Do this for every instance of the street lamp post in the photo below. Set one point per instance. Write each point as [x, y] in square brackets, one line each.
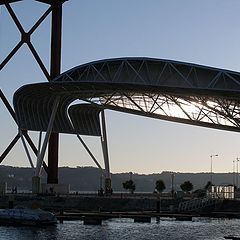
[233, 173]
[237, 160]
[172, 180]
[130, 174]
[211, 156]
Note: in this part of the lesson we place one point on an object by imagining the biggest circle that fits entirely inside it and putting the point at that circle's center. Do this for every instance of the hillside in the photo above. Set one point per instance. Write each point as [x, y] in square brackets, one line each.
[88, 178]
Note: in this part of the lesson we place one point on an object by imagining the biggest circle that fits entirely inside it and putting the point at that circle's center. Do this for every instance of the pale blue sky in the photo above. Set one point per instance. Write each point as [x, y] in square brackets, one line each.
[203, 32]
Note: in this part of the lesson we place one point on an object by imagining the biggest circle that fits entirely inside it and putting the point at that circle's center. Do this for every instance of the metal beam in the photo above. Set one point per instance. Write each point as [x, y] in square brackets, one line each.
[7, 105]
[89, 152]
[9, 148]
[55, 69]
[8, 1]
[26, 149]
[31, 144]
[51, 2]
[11, 54]
[14, 141]
[26, 38]
[46, 139]
[56, 8]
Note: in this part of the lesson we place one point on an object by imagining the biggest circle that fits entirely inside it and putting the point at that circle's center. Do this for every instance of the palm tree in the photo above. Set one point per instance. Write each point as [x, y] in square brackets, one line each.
[187, 186]
[129, 185]
[160, 185]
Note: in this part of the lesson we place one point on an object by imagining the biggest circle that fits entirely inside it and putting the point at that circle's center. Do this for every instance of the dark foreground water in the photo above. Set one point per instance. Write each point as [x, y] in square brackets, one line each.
[127, 229]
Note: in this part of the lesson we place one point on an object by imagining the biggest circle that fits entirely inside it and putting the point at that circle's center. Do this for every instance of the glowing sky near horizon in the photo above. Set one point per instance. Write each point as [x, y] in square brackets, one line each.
[202, 32]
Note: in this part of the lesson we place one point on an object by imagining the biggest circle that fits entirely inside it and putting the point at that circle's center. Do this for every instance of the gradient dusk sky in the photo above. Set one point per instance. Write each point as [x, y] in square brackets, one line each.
[202, 32]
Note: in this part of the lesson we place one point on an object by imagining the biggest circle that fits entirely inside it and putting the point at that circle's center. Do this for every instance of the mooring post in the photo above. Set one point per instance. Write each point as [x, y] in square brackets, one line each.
[61, 215]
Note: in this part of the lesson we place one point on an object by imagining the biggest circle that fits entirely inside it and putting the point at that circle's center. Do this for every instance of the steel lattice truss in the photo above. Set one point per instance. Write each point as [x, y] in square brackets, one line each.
[163, 89]
[55, 8]
[195, 110]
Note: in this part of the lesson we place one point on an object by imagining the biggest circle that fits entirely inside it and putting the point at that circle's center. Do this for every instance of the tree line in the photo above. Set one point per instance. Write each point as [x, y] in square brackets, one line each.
[186, 186]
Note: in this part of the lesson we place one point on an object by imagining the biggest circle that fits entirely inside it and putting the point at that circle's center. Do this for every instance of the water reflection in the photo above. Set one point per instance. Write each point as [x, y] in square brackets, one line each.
[199, 228]
[46, 232]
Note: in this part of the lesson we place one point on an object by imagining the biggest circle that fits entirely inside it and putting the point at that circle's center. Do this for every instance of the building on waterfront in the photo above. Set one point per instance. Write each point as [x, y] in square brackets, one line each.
[222, 192]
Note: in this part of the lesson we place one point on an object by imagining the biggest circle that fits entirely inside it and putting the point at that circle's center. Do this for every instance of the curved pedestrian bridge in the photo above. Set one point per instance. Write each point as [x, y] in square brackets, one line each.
[163, 89]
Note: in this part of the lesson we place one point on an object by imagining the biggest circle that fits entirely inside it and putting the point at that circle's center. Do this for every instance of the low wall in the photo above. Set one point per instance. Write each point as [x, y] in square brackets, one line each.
[85, 203]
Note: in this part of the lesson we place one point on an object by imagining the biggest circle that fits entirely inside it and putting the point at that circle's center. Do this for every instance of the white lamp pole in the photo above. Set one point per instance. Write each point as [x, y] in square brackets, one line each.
[233, 173]
[237, 160]
[211, 156]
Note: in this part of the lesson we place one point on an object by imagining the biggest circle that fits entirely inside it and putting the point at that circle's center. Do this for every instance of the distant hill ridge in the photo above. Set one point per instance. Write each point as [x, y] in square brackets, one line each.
[88, 178]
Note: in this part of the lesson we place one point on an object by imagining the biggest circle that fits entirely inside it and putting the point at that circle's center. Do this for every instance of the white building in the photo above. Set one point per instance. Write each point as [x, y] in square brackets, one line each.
[223, 192]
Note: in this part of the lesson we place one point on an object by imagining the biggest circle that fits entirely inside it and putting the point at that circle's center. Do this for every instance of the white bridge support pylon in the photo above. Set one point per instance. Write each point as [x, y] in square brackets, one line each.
[106, 173]
[108, 182]
[36, 183]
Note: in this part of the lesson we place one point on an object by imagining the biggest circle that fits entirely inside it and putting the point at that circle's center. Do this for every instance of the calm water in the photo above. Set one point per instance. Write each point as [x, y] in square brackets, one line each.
[127, 229]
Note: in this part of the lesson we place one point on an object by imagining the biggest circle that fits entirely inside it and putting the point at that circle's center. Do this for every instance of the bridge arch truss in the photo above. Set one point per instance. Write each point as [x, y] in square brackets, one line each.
[164, 89]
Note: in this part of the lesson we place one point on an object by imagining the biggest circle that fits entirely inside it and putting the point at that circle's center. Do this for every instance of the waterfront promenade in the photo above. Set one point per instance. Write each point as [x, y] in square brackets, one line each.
[123, 204]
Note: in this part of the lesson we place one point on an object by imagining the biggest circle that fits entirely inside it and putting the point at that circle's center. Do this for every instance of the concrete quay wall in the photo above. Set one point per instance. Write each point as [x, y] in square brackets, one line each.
[87, 203]
[121, 203]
